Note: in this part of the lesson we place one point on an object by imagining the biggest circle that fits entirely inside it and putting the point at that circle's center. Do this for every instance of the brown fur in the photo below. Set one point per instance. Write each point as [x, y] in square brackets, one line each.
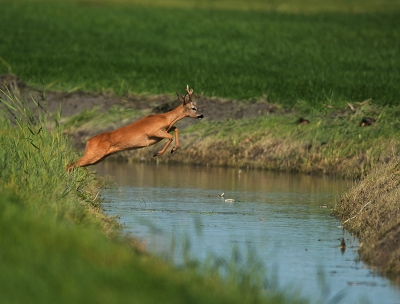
[142, 133]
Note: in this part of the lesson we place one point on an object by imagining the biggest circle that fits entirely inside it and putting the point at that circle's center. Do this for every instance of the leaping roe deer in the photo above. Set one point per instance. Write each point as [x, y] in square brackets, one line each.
[142, 133]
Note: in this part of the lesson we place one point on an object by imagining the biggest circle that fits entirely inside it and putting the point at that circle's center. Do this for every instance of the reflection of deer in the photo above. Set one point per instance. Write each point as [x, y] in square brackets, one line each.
[142, 133]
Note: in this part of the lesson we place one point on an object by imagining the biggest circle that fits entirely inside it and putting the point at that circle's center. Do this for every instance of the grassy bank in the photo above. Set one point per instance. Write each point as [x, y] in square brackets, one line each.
[300, 50]
[371, 210]
[332, 143]
[57, 246]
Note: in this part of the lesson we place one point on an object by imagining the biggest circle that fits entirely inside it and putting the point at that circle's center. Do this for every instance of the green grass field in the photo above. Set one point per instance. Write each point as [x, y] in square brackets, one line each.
[286, 51]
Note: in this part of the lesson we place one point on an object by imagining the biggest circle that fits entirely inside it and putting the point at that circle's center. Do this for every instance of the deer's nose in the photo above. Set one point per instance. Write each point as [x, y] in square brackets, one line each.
[200, 116]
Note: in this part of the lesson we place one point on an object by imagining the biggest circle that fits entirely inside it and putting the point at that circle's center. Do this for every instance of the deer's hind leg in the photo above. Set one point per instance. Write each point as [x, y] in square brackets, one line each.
[96, 150]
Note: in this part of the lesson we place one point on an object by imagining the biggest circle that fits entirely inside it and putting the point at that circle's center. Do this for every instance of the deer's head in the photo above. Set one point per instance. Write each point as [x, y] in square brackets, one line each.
[189, 105]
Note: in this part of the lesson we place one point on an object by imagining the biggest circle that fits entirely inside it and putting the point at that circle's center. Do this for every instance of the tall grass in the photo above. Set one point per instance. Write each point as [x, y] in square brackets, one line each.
[126, 47]
[33, 158]
[54, 247]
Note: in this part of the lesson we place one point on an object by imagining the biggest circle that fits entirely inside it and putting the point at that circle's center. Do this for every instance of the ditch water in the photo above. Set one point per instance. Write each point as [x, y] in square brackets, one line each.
[281, 219]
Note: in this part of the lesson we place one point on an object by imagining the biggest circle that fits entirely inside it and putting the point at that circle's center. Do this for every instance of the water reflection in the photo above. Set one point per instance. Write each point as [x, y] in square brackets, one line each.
[281, 216]
[227, 179]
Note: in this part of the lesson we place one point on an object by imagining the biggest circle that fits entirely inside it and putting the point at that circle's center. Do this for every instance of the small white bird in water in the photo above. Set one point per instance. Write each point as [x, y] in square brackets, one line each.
[227, 200]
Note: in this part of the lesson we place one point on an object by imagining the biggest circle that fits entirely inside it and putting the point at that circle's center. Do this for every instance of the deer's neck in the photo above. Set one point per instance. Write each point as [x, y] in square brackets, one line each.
[175, 115]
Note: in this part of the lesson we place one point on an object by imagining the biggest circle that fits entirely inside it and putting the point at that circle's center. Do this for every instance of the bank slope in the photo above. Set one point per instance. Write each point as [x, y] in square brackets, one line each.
[371, 210]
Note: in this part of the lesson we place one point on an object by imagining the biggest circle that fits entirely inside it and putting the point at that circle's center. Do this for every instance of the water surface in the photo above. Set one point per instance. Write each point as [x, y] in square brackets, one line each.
[284, 219]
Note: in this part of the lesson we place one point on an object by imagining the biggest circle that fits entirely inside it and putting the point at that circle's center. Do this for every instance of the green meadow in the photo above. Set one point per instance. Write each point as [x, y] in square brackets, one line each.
[284, 51]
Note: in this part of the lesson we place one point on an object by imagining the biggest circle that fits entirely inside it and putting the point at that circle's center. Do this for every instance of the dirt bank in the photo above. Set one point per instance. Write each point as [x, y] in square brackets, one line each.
[75, 102]
[371, 210]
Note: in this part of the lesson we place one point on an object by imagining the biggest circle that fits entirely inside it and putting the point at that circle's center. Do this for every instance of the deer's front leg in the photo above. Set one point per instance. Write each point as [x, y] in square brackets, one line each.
[167, 136]
[170, 138]
[175, 129]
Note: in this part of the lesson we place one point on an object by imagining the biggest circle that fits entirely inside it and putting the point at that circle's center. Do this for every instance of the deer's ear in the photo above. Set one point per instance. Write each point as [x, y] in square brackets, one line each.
[187, 99]
[181, 98]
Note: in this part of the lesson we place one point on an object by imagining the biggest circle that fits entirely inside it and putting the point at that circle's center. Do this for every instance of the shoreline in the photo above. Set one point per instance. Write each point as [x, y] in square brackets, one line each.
[371, 210]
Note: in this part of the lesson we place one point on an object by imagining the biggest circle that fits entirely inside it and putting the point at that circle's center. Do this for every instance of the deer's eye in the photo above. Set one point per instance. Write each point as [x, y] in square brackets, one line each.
[194, 109]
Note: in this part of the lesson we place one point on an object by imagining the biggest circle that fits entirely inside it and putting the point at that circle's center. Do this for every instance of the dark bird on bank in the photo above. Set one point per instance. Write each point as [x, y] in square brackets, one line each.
[342, 246]
[367, 121]
[302, 121]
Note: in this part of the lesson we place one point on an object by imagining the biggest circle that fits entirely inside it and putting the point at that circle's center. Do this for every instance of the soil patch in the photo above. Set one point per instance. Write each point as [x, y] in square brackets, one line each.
[75, 102]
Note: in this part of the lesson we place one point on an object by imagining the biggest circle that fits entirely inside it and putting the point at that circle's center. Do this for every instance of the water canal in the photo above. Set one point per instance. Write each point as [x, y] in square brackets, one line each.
[281, 219]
